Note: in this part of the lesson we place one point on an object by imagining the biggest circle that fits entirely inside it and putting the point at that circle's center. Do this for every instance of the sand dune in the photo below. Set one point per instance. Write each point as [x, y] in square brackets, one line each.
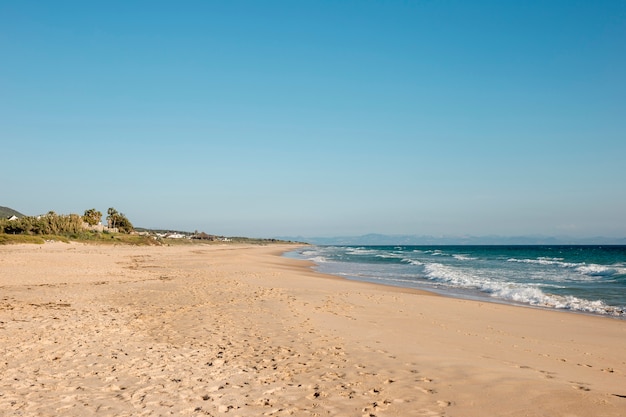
[239, 331]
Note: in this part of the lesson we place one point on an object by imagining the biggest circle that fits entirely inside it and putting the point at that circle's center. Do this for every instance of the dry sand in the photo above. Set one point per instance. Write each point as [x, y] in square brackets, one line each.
[238, 331]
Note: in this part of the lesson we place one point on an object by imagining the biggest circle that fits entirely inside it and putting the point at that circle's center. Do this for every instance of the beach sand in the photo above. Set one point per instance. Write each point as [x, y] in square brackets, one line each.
[241, 331]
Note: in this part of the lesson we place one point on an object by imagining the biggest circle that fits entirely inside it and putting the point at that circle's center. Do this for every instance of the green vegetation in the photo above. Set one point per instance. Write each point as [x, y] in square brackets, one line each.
[92, 217]
[62, 224]
[61, 227]
[87, 229]
[118, 221]
[48, 224]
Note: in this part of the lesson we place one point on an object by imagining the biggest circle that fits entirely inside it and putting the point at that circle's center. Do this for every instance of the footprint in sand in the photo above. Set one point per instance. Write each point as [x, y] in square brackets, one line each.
[580, 387]
[426, 391]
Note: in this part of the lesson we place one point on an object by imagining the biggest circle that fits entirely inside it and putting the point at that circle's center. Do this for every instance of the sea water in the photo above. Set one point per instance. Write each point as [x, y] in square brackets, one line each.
[589, 279]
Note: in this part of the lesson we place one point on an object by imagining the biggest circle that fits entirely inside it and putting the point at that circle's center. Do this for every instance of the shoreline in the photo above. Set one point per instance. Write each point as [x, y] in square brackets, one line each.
[613, 312]
[242, 330]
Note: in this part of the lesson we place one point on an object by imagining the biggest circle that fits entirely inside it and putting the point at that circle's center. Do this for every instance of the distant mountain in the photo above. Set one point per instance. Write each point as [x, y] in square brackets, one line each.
[8, 212]
[379, 239]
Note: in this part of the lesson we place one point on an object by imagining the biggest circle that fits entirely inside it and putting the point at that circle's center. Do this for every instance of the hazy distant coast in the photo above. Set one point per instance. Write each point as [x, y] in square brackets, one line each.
[384, 239]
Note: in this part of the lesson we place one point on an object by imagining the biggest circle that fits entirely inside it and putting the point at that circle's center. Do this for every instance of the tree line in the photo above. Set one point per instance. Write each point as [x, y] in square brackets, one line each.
[64, 224]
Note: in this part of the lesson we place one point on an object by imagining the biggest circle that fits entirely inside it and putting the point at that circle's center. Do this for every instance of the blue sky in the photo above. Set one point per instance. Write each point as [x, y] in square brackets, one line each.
[319, 118]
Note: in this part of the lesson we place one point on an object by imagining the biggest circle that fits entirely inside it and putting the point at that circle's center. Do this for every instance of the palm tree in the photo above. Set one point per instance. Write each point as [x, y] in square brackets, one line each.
[112, 217]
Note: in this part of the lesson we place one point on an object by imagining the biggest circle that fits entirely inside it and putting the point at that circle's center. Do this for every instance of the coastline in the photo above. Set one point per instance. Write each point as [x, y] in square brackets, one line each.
[576, 279]
[242, 330]
[446, 294]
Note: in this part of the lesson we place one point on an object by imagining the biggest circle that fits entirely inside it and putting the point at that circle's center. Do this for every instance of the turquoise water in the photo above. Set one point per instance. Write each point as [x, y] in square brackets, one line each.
[590, 279]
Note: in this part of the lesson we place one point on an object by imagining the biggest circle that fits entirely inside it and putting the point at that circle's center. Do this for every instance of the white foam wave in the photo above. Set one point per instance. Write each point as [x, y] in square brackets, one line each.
[536, 297]
[464, 258]
[520, 293]
[361, 251]
[433, 252]
[319, 259]
[450, 275]
[389, 256]
[592, 270]
[598, 270]
[544, 261]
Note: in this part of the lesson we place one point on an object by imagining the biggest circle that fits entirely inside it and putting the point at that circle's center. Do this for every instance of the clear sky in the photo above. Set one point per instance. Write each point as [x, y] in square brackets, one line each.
[319, 118]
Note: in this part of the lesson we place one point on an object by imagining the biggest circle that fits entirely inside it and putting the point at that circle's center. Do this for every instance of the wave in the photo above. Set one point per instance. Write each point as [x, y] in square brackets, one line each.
[435, 252]
[450, 275]
[319, 259]
[542, 281]
[592, 270]
[600, 270]
[412, 262]
[544, 261]
[464, 258]
[457, 256]
[529, 294]
[536, 297]
[361, 251]
[389, 256]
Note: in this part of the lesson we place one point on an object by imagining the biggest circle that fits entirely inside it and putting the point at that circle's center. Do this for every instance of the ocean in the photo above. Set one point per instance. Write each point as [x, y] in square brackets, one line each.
[585, 279]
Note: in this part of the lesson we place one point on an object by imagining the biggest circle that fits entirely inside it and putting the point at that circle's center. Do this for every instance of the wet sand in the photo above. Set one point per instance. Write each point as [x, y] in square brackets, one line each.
[241, 331]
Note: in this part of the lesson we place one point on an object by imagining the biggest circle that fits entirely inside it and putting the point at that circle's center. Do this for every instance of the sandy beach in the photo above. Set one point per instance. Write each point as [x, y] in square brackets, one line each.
[241, 331]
